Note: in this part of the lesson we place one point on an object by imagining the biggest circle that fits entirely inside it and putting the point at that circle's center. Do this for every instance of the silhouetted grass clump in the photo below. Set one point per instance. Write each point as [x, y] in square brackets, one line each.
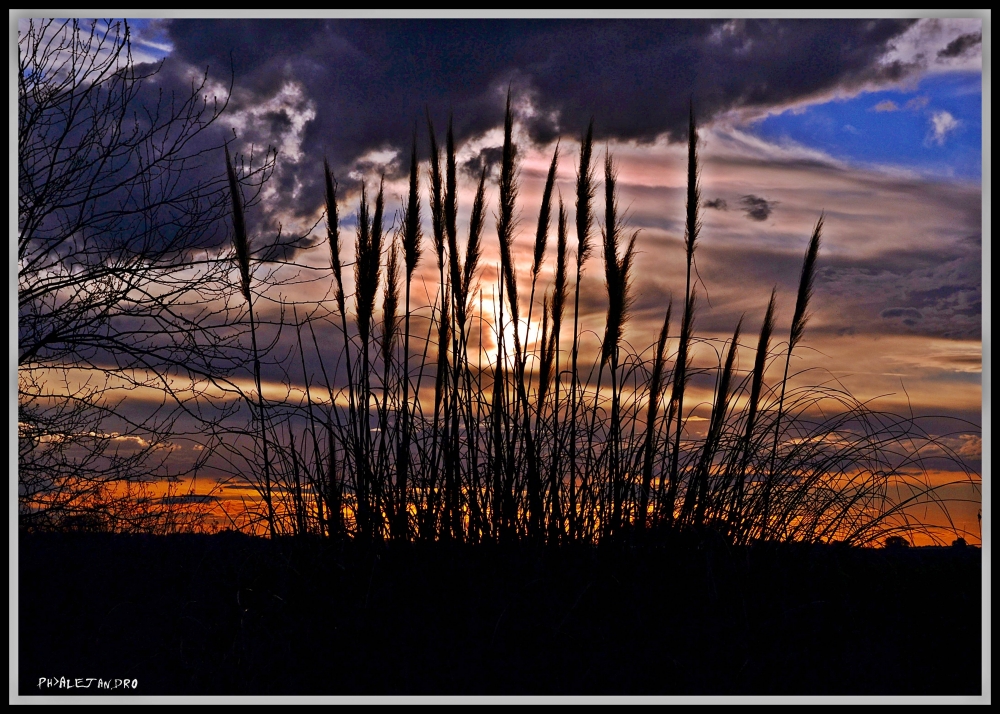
[513, 441]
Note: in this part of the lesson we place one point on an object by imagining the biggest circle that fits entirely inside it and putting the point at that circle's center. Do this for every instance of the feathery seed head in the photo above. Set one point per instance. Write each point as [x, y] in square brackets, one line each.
[805, 287]
[390, 302]
[437, 196]
[542, 234]
[692, 224]
[474, 249]
[366, 265]
[332, 224]
[450, 188]
[451, 228]
[559, 287]
[584, 198]
[411, 218]
[505, 220]
[240, 241]
[617, 270]
[547, 353]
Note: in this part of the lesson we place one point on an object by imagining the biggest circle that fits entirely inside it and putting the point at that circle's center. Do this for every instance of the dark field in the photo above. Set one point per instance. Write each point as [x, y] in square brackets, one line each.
[228, 614]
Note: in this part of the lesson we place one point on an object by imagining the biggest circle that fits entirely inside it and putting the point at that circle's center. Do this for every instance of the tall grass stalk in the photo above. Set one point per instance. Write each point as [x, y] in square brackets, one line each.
[241, 243]
[697, 493]
[473, 252]
[541, 241]
[681, 370]
[556, 528]
[692, 227]
[617, 278]
[584, 222]
[505, 233]
[321, 492]
[390, 326]
[367, 266]
[333, 240]
[744, 447]
[411, 257]
[439, 435]
[656, 383]
[799, 320]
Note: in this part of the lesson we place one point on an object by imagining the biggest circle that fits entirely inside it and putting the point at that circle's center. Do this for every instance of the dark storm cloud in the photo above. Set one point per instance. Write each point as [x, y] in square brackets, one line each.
[961, 44]
[719, 204]
[906, 312]
[372, 80]
[757, 208]
[487, 158]
[279, 122]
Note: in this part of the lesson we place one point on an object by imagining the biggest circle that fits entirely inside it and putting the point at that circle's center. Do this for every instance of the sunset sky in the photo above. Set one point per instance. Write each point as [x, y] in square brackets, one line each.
[875, 124]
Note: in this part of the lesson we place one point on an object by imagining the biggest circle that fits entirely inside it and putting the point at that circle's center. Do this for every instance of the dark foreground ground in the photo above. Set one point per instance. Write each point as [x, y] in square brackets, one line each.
[228, 614]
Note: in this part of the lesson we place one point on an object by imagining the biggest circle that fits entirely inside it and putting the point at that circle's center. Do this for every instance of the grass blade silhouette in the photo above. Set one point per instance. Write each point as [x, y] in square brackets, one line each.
[799, 320]
[241, 243]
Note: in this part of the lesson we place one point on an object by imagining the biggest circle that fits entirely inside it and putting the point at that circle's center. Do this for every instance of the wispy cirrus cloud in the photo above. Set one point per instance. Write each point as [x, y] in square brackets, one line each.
[888, 105]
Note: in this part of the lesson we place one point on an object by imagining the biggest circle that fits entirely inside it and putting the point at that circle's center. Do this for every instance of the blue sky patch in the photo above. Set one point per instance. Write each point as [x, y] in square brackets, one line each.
[934, 128]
